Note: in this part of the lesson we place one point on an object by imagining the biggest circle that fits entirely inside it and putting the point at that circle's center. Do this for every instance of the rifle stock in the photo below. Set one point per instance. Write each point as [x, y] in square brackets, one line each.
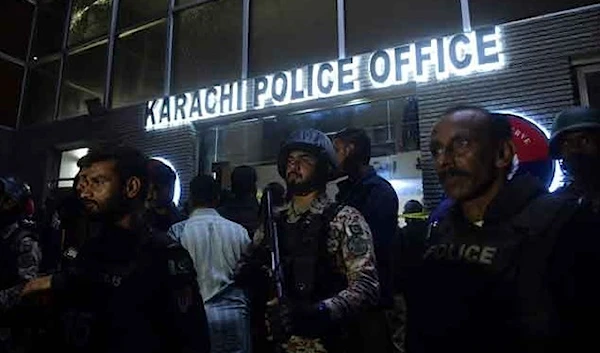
[278, 324]
[271, 233]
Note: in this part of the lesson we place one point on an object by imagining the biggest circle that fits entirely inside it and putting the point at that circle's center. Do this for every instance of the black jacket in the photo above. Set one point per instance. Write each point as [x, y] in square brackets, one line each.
[377, 201]
[130, 292]
[486, 288]
[243, 211]
[575, 267]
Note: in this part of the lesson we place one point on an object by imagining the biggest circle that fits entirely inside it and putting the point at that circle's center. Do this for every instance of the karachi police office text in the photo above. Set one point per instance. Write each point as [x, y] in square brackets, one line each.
[456, 55]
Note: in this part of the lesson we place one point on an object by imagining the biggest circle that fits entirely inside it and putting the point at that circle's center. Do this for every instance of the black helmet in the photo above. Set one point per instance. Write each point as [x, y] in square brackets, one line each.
[15, 188]
[572, 119]
[19, 191]
[312, 141]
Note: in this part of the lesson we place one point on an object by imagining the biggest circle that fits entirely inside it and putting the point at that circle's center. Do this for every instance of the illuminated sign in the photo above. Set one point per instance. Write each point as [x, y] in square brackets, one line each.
[532, 147]
[422, 61]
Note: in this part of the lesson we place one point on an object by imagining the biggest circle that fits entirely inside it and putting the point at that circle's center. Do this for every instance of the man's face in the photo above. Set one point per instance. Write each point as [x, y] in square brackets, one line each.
[99, 189]
[580, 151]
[342, 151]
[300, 168]
[159, 195]
[463, 155]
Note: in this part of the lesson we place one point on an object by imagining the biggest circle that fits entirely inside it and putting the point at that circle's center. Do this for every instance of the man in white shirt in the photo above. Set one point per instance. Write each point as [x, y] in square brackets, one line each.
[215, 245]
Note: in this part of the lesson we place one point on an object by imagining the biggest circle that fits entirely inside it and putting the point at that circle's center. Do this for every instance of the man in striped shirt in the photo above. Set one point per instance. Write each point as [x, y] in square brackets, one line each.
[215, 245]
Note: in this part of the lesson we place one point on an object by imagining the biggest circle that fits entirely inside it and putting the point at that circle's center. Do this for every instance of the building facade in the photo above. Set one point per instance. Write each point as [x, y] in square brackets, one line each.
[210, 85]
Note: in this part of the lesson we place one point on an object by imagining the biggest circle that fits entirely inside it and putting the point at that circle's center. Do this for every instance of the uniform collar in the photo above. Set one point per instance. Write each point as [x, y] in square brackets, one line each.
[513, 197]
[317, 206]
[364, 178]
[200, 212]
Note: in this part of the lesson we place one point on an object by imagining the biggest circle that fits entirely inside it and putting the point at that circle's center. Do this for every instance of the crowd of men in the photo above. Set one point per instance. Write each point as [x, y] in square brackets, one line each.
[500, 266]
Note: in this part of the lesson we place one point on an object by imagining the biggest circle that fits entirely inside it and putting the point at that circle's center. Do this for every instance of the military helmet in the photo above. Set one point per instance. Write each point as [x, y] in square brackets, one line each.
[576, 118]
[19, 191]
[312, 141]
[15, 188]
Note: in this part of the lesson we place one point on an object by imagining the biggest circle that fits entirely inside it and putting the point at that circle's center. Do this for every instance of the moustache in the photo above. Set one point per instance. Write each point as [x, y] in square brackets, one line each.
[87, 202]
[453, 173]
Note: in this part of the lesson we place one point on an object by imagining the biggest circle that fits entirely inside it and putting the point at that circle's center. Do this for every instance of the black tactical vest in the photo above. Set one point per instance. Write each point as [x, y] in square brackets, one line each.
[309, 270]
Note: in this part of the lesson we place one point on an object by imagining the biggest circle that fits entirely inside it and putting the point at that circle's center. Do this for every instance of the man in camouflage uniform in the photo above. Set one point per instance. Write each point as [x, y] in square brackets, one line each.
[19, 257]
[326, 254]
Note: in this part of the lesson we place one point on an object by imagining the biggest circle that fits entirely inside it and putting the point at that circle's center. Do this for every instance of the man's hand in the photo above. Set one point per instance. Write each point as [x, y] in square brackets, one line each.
[278, 319]
[37, 285]
[303, 319]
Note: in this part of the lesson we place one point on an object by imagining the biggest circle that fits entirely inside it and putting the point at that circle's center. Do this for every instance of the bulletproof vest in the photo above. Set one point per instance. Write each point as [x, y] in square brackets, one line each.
[309, 270]
[9, 275]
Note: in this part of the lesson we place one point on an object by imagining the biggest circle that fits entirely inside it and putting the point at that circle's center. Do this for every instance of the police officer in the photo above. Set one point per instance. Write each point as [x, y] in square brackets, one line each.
[576, 141]
[20, 257]
[130, 289]
[482, 281]
[377, 201]
[326, 253]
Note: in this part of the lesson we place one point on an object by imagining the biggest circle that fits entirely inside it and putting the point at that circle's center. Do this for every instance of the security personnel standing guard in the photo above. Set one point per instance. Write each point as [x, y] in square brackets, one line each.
[576, 141]
[20, 258]
[377, 201]
[130, 289]
[326, 253]
[483, 283]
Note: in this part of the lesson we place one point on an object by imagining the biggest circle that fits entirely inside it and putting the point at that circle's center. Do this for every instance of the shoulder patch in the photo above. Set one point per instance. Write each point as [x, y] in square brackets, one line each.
[358, 245]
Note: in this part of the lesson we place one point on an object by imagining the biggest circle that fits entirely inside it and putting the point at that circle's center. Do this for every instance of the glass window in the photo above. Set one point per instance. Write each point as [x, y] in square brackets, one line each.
[487, 12]
[68, 166]
[12, 75]
[589, 85]
[89, 19]
[592, 81]
[49, 27]
[131, 12]
[15, 27]
[139, 66]
[287, 34]
[379, 24]
[41, 93]
[256, 142]
[207, 45]
[83, 79]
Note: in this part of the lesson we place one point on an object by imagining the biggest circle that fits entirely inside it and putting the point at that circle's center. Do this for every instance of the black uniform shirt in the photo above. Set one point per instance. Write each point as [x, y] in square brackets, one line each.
[131, 293]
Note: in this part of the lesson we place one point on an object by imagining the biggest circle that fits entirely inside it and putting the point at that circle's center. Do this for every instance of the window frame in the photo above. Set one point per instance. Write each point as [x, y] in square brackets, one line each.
[582, 71]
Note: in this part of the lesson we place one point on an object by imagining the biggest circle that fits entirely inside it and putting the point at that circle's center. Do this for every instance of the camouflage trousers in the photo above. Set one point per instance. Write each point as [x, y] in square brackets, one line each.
[396, 317]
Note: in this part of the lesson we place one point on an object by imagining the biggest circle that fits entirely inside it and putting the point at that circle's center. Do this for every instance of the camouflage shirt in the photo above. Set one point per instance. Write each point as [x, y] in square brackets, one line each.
[28, 257]
[350, 244]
